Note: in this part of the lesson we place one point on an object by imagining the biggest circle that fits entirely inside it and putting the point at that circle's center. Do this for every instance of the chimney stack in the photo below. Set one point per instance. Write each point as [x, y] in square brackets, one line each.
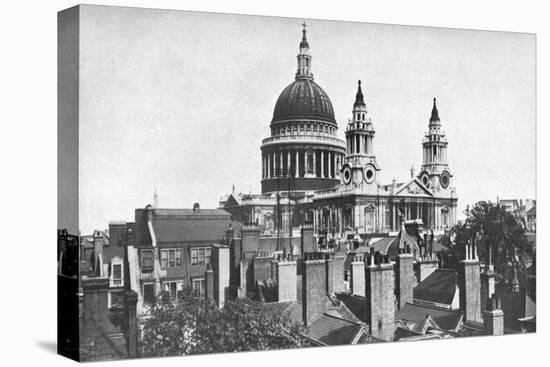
[314, 285]
[358, 277]
[493, 317]
[307, 240]
[286, 280]
[131, 319]
[250, 237]
[380, 296]
[338, 275]
[220, 266]
[404, 277]
[470, 287]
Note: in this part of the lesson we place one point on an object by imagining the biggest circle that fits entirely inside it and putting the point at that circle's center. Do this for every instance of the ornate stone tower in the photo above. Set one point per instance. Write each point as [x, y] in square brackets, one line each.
[303, 152]
[360, 167]
[435, 172]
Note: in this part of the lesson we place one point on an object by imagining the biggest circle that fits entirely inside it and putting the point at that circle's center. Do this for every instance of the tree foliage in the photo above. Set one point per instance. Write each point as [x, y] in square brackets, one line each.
[499, 233]
[194, 325]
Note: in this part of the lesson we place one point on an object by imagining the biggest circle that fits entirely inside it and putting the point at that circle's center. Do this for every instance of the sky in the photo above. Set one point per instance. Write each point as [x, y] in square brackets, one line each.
[180, 101]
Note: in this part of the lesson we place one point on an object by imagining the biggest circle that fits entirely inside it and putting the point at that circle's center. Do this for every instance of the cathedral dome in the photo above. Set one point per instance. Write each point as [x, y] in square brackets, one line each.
[303, 99]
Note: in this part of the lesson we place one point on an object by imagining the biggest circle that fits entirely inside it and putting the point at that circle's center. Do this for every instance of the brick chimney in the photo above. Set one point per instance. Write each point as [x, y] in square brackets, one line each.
[380, 296]
[131, 320]
[470, 295]
[250, 237]
[493, 317]
[307, 241]
[286, 279]
[404, 277]
[95, 292]
[220, 266]
[426, 265]
[98, 254]
[357, 274]
[314, 285]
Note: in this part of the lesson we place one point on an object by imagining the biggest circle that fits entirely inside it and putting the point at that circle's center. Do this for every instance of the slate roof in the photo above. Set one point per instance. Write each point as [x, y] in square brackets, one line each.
[185, 225]
[355, 304]
[438, 287]
[332, 330]
[445, 319]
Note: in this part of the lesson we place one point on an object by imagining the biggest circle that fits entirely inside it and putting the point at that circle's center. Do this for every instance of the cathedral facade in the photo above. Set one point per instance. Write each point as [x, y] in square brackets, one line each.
[309, 175]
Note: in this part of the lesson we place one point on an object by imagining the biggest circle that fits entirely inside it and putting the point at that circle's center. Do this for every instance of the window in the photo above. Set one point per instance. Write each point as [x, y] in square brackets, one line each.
[146, 260]
[170, 258]
[117, 274]
[172, 288]
[198, 287]
[200, 255]
[148, 293]
[309, 162]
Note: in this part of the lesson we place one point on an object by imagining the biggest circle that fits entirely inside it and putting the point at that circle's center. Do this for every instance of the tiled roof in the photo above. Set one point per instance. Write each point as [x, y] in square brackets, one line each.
[438, 287]
[445, 319]
[332, 330]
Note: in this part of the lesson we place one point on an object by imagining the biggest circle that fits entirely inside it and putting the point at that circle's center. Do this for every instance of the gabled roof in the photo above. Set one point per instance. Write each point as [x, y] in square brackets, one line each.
[423, 326]
[438, 287]
[413, 187]
[402, 333]
[445, 319]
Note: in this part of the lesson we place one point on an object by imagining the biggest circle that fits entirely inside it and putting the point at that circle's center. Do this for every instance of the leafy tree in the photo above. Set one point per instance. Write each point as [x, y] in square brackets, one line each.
[194, 325]
[494, 232]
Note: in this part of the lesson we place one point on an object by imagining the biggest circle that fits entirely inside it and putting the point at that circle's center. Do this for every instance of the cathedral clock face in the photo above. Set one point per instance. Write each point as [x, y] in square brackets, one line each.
[347, 175]
[444, 179]
[369, 173]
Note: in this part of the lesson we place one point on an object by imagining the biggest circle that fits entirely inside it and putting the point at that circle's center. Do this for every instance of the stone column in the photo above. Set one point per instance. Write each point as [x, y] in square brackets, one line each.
[268, 159]
[288, 163]
[297, 163]
[314, 163]
[322, 163]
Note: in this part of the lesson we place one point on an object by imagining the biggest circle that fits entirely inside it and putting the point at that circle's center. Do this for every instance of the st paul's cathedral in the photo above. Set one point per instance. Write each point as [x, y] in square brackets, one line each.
[309, 175]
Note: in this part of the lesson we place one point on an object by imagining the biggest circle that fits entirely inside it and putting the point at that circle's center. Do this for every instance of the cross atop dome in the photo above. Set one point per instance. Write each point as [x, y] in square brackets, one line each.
[304, 44]
[304, 58]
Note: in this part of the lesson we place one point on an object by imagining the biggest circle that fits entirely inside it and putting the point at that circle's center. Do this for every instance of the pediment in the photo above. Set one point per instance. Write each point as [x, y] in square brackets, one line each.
[413, 188]
[232, 200]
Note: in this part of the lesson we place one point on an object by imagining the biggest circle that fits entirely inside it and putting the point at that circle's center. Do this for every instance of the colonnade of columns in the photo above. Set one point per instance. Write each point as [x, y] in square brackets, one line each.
[382, 217]
[301, 162]
[360, 144]
[435, 154]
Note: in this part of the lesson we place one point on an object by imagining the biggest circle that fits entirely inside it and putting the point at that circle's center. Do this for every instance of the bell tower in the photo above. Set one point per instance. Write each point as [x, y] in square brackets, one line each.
[360, 167]
[435, 172]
